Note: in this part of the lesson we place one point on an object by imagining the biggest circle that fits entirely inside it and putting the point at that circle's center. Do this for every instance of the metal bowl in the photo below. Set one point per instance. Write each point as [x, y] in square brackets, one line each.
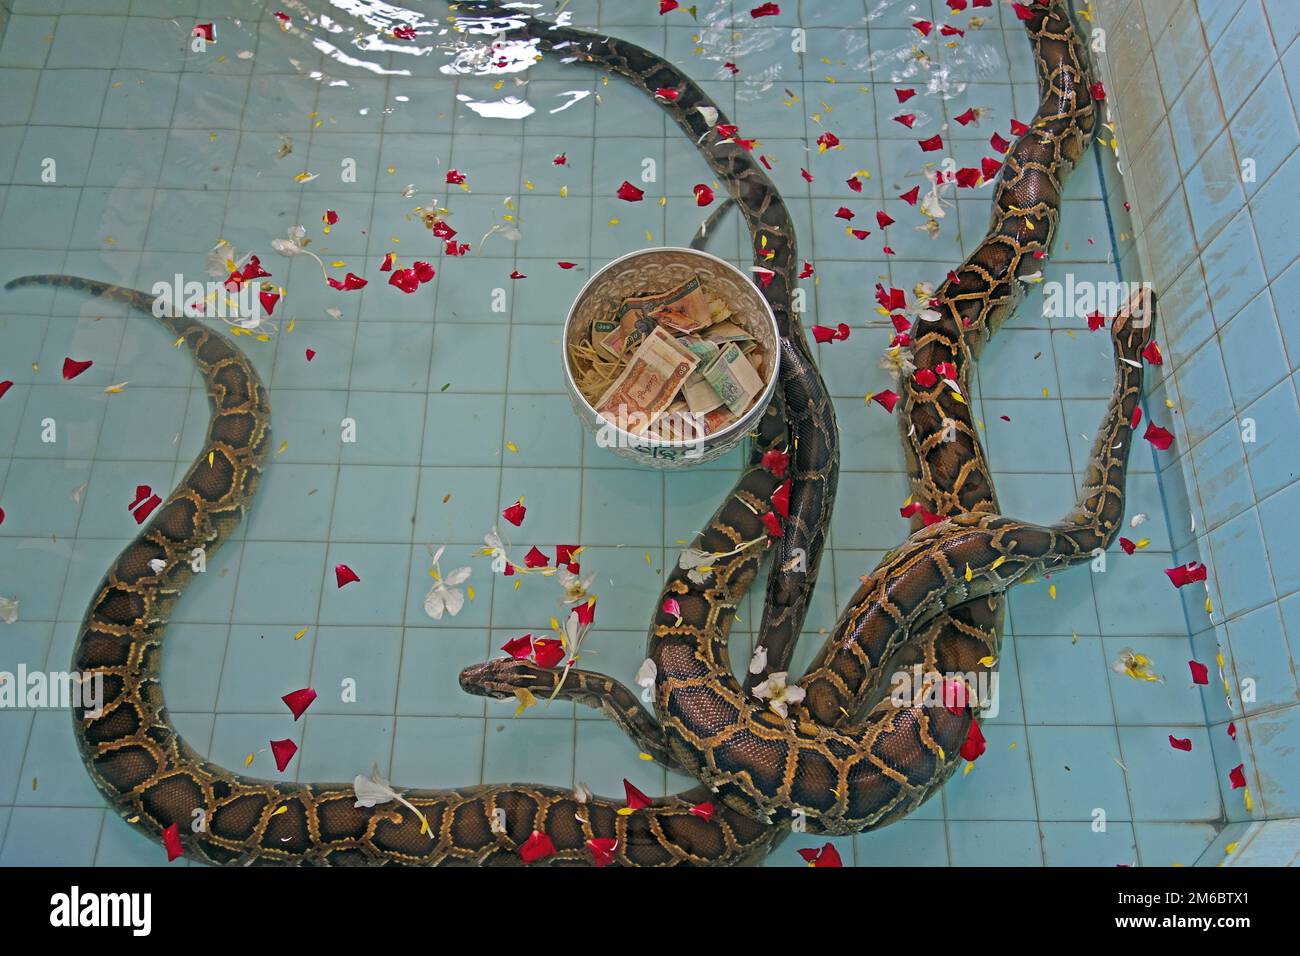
[664, 268]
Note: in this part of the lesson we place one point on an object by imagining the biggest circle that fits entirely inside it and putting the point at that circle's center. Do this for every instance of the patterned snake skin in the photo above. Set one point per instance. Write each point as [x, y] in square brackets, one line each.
[940, 583]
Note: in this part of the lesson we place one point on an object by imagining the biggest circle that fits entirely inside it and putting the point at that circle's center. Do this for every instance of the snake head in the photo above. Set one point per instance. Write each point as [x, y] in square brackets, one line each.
[501, 677]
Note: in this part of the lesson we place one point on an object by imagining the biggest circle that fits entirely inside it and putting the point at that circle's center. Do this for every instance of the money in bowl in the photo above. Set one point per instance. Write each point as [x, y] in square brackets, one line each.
[670, 356]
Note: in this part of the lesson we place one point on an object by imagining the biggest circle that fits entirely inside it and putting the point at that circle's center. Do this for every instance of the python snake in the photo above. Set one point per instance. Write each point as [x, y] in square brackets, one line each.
[154, 779]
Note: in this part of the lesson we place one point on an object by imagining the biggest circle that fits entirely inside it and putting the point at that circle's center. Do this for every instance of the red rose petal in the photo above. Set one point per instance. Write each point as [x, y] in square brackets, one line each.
[1237, 776]
[586, 613]
[999, 144]
[781, 499]
[955, 696]
[844, 213]
[935, 142]
[602, 848]
[547, 652]
[905, 94]
[629, 193]
[989, 167]
[1200, 673]
[268, 300]
[883, 219]
[925, 378]
[911, 195]
[519, 647]
[855, 184]
[283, 751]
[975, 744]
[773, 524]
[1097, 91]
[1180, 743]
[143, 511]
[1018, 128]
[1160, 437]
[72, 368]
[564, 553]
[1127, 546]
[827, 856]
[204, 30]
[704, 811]
[515, 513]
[906, 119]
[672, 608]
[860, 234]
[808, 177]
[344, 575]
[1136, 417]
[311, 354]
[535, 559]
[1096, 321]
[172, 841]
[666, 6]
[923, 27]
[536, 847]
[1232, 729]
[298, 701]
[966, 118]
[566, 265]
[1022, 11]
[827, 140]
[455, 177]
[703, 194]
[886, 399]
[350, 283]
[667, 93]
[1152, 354]
[1186, 574]
[5, 386]
[776, 462]
[636, 800]
[765, 10]
[518, 275]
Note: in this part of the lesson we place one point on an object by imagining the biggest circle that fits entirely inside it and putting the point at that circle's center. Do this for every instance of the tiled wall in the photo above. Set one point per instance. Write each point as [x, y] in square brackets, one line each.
[1204, 93]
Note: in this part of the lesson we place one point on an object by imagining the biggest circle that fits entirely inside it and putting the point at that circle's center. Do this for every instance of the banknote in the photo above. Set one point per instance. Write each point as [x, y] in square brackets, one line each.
[718, 419]
[600, 329]
[733, 378]
[648, 386]
[684, 309]
[701, 397]
[706, 350]
[727, 332]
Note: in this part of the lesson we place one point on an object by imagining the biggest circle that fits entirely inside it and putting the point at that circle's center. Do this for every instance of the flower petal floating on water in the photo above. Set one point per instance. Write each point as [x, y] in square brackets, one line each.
[298, 701]
[629, 193]
[283, 751]
[344, 575]
[515, 513]
[72, 368]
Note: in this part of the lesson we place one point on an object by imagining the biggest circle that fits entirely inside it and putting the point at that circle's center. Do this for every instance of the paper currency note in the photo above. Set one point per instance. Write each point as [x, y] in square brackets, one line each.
[683, 309]
[650, 383]
[727, 332]
[706, 350]
[701, 397]
[733, 378]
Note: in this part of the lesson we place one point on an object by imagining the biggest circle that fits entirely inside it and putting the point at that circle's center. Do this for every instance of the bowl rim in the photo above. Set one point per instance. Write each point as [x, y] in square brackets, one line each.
[719, 437]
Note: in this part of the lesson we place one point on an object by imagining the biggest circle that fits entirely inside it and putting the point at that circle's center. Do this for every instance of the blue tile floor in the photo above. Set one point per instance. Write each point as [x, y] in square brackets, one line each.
[455, 397]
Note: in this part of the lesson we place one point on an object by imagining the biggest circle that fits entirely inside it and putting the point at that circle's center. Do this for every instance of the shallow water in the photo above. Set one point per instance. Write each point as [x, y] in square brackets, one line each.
[457, 397]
